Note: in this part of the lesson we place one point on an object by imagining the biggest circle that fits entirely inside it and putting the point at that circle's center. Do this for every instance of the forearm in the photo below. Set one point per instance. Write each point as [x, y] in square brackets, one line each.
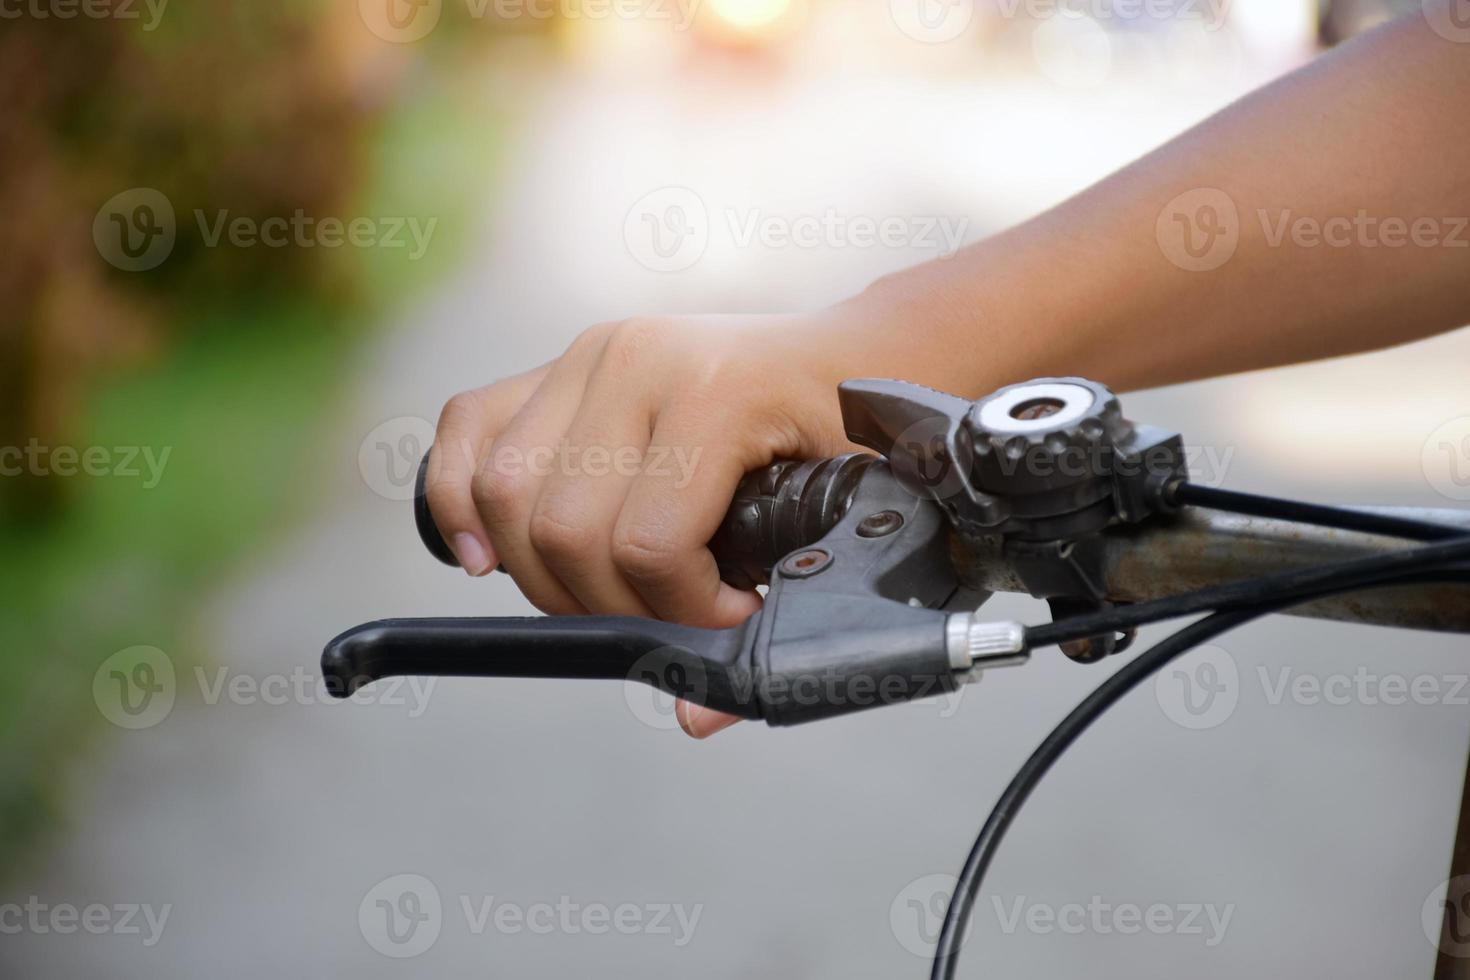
[1370, 145]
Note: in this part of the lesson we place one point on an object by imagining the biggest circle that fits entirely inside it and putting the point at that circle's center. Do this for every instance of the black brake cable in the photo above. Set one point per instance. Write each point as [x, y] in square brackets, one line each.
[1234, 605]
[1286, 586]
[1145, 665]
[1276, 508]
[946, 952]
[1452, 544]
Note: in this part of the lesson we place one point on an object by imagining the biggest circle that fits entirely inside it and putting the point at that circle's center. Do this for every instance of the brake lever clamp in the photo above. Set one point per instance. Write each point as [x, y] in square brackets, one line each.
[1031, 475]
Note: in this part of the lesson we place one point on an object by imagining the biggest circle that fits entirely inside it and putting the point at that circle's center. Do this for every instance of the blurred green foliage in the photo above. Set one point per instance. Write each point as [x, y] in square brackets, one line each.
[257, 108]
[227, 358]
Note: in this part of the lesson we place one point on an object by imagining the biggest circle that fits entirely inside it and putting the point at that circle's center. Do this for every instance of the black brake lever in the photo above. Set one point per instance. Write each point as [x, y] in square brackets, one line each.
[708, 665]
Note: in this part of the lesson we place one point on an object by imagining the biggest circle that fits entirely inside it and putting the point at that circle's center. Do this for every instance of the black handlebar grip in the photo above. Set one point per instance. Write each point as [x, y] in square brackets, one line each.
[775, 511]
[781, 508]
[424, 521]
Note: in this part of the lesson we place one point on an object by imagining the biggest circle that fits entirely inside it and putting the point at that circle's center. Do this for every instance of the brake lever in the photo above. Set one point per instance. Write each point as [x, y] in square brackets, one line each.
[710, 666]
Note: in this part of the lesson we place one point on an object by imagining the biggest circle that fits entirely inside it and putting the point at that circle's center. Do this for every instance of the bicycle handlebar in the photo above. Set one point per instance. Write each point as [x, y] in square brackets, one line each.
[790, 505]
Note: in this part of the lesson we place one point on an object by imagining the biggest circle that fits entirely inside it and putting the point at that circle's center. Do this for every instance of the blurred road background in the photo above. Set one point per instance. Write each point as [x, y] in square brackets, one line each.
[566, 162]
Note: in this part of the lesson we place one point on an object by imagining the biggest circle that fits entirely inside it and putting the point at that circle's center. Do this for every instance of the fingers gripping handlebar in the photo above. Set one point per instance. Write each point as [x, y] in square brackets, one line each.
[830, 638]
[775, 510]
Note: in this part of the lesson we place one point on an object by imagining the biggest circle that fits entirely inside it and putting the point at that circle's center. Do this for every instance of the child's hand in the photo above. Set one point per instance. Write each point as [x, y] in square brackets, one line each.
[598, 479]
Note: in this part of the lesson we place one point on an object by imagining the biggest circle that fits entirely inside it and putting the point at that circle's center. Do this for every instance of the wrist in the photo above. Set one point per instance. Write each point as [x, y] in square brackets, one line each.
[933, 324]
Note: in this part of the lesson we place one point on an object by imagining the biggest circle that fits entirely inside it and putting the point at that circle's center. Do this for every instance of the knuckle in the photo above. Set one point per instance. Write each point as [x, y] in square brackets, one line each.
[643, 553]
[496, 493]
[460, 410]
[632, 339]
[558, 537]
[591, 340]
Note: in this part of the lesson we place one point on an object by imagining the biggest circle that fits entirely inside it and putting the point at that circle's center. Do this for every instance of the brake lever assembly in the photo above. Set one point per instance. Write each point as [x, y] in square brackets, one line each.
[871, 563]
